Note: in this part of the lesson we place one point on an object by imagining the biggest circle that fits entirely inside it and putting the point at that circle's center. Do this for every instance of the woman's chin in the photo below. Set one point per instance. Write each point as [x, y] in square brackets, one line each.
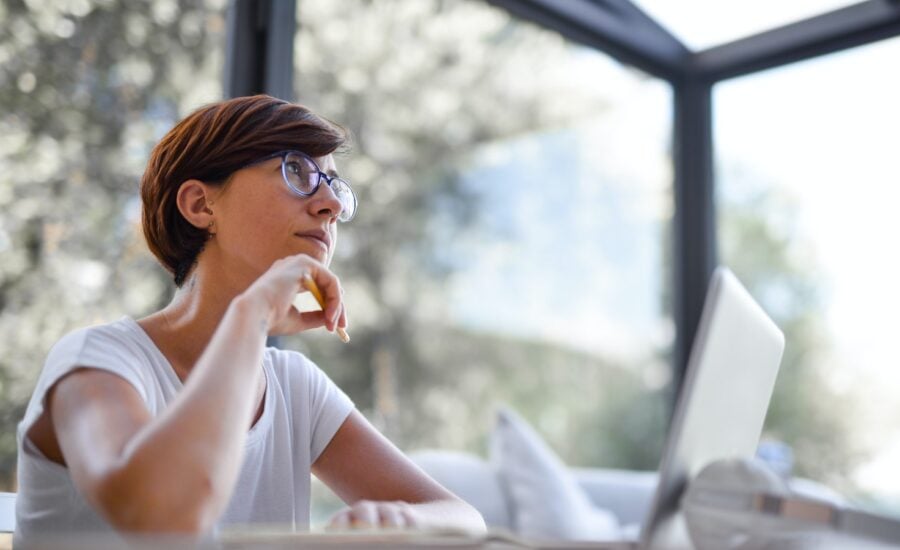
[317, 253]
[313, 247]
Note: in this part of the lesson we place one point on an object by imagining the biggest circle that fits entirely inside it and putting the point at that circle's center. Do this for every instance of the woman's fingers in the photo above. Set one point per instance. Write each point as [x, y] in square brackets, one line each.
[329, 295]
[367, 514]
[280, 285]
[306, 320]
[342, 319]
[341, 520]
[391, 516]
[326, 289]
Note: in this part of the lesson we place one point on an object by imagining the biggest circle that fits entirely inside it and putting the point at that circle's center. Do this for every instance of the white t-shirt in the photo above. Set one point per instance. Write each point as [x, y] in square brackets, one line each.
[302, 411]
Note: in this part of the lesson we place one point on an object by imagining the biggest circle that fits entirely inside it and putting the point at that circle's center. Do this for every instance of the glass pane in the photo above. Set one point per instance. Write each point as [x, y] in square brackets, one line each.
[88, 87]
[512, 230]
[807, 164]
[702, 24]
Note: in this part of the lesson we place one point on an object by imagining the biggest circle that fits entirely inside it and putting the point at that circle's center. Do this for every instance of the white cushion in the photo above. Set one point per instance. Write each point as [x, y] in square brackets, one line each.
[547, 502]
[626, 493]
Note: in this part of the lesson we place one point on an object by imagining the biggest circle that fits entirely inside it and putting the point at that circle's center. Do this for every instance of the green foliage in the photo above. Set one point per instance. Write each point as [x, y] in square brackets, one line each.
[759, 242]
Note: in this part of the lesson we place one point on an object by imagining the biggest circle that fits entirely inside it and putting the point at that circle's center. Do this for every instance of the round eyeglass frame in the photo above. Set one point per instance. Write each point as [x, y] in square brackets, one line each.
[329, 180]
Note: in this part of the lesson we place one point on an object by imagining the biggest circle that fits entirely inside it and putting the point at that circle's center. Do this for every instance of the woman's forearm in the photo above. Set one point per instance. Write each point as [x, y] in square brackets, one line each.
[179, 472]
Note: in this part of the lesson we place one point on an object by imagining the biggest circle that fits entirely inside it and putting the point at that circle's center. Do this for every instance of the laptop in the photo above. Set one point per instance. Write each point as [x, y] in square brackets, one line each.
[723, 401]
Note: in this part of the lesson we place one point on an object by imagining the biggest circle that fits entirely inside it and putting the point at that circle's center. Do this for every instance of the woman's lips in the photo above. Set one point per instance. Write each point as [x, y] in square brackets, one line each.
[322, 242]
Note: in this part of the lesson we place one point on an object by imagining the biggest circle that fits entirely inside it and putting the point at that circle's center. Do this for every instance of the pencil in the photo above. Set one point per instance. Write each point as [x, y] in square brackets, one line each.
[313, 289]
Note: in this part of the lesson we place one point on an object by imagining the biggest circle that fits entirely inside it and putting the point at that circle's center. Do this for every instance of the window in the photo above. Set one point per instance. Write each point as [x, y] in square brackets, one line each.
[510, 245]
[808, 196]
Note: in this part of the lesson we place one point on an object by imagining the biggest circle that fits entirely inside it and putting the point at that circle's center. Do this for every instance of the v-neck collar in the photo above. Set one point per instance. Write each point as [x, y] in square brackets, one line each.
[254, 433]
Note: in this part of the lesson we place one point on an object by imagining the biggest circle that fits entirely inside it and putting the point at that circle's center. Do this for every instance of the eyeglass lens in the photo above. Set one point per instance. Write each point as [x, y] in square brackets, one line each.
[303, 175]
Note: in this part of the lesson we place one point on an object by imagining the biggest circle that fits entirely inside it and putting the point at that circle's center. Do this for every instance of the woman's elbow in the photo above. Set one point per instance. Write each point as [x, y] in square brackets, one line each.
[134, 503]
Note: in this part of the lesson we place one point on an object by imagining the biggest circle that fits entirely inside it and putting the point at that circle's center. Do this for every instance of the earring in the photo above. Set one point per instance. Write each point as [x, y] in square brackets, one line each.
[211, 223]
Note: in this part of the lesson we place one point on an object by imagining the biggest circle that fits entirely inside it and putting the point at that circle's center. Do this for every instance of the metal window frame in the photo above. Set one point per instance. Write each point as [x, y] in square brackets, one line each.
[259, 54]
[259, 59]
[259, 48]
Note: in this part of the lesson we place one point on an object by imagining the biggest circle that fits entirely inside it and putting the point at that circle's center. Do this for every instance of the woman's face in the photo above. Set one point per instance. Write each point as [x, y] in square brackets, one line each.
[259, 220]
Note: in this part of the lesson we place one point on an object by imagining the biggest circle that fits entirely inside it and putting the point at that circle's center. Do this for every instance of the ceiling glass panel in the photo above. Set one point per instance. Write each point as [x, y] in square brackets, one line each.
[702, 24]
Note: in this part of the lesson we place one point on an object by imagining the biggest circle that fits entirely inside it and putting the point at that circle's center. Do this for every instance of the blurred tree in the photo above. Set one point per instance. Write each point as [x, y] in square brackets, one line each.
[421, 84]
[87, 87]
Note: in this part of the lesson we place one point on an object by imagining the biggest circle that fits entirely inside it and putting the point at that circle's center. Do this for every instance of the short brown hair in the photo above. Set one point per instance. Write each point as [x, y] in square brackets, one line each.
[209, 145]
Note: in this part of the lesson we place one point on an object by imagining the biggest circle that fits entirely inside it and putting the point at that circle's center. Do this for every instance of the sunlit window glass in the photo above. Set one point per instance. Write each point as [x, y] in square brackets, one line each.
[808, 172]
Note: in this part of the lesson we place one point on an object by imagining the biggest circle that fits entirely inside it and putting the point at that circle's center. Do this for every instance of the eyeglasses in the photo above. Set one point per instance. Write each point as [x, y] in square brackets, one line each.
[303, 177]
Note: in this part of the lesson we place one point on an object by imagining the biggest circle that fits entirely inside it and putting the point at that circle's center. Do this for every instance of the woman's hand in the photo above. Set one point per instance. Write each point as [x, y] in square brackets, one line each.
[369, 514]
[274, 292]
[386, 488]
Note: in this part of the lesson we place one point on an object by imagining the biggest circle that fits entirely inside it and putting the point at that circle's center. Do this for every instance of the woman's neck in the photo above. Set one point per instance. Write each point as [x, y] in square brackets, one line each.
[183, 329]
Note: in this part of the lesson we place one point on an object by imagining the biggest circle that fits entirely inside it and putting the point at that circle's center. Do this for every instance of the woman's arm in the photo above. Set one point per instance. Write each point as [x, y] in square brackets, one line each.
[384, 487]
[176, 472]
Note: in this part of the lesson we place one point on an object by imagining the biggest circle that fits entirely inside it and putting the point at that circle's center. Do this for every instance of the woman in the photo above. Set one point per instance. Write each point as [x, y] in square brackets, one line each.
[183, 421]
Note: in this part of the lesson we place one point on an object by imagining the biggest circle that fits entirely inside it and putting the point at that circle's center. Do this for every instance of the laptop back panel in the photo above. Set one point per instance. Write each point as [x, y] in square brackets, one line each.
[723, 401]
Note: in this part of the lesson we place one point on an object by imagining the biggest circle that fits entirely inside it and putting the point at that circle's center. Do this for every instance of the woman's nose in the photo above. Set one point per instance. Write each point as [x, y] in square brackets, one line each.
[324, 202]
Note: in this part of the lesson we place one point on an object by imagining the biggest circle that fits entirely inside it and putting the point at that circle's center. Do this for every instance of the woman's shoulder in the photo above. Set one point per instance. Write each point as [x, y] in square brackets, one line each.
[116, 335]
[287, 362]
[114, 347]
[295, 371]
[308, 389]
[120, 347]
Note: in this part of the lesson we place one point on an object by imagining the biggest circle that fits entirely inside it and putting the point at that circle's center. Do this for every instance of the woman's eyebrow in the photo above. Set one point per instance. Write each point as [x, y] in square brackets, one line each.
[332, 173]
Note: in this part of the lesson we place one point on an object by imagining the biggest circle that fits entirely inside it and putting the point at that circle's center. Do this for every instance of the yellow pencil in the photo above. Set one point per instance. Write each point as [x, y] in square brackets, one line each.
[313, 289]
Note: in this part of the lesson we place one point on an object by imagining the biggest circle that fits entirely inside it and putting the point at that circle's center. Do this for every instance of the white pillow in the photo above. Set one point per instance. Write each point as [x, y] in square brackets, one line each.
[546, 501]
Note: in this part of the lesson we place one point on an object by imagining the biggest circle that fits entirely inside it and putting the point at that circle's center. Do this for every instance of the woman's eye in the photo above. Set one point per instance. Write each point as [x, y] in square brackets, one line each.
[293, 168]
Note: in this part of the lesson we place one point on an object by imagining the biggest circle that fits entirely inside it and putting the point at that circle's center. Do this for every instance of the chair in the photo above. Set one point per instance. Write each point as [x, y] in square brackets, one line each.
[7, 512]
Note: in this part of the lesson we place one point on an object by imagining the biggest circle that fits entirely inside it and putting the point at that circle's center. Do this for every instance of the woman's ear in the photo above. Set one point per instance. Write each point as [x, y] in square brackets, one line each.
[194, 200]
